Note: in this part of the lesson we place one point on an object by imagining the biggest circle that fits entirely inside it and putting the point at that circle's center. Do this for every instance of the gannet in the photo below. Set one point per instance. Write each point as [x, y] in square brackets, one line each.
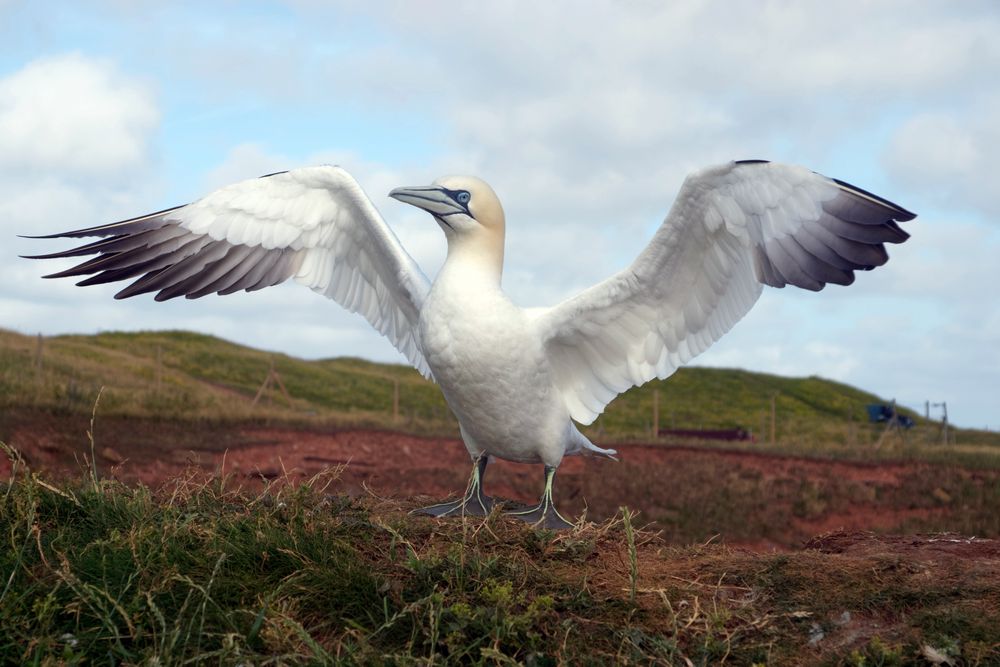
[519, 380]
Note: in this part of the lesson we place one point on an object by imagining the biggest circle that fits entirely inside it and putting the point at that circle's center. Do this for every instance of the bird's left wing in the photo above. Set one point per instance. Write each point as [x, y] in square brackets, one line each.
[732, 228]
[314, 224]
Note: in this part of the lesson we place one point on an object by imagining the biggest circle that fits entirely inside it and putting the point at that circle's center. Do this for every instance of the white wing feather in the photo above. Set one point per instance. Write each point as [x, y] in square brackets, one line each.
[731, 228]
[315, 225]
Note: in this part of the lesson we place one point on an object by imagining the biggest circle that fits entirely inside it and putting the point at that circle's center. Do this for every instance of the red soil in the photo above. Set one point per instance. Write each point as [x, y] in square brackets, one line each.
[752, 499]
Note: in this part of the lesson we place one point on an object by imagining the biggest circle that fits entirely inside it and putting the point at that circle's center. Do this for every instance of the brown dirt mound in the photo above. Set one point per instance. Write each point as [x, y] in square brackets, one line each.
[914, 547]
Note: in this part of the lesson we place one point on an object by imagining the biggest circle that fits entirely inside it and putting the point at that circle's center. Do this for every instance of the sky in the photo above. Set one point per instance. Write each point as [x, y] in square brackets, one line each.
[584, 117]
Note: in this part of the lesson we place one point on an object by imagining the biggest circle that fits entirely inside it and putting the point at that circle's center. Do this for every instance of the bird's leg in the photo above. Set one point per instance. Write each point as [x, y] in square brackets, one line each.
[473, 503]
[545, 514]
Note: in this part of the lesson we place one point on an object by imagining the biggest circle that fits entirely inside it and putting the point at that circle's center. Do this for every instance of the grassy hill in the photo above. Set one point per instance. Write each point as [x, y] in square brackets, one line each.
[184, 375]
[190, 376]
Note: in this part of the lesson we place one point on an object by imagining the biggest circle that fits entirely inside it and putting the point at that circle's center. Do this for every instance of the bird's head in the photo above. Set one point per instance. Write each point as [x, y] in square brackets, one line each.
[469, 212]
[462, 205]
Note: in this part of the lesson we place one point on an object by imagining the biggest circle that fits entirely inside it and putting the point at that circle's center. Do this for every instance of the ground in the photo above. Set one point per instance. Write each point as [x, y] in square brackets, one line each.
[690, 493]
[728, 555]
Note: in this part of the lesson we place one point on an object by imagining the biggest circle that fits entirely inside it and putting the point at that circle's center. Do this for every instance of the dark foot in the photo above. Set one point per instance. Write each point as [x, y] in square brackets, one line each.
[543, 516]
[478, 505]
[475, 503]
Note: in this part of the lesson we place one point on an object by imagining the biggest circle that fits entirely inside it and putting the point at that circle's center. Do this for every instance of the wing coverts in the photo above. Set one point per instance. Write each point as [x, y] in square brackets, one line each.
[731, 229]
[315, 225]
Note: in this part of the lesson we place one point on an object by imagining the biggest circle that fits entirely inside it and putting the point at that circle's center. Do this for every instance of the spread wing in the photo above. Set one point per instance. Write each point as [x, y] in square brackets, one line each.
[315, 225]
[732, 228]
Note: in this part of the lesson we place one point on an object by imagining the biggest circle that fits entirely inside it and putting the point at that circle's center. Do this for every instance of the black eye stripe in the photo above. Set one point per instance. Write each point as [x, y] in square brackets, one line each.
[460, 197]
[454, 193]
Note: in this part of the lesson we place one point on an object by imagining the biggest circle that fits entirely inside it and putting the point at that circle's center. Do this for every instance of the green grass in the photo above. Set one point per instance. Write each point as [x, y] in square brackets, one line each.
[197, 571]
[201, 377]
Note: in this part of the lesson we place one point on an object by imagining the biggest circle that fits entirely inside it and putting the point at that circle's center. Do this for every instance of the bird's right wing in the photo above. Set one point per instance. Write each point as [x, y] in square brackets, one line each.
[732, 228]
[314, 224]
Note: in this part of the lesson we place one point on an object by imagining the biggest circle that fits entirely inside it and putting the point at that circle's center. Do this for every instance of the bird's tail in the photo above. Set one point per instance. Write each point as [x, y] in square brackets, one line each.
[579, 444]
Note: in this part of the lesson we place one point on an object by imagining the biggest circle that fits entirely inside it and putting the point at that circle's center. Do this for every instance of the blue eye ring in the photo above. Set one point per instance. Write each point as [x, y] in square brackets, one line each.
[463, 197]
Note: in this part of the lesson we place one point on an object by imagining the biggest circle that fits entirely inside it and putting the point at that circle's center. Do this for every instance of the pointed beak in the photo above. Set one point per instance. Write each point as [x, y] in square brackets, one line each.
[431, 198]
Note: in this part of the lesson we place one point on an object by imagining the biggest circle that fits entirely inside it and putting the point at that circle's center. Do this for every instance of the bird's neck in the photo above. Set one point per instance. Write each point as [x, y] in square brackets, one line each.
[476, 256]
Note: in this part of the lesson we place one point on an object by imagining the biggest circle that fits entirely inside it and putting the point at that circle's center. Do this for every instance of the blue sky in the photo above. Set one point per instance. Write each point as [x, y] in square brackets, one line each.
[585, 118]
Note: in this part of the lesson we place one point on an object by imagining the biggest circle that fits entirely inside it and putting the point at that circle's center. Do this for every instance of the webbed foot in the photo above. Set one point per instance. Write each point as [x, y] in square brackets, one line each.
[543, 517]
[545, 514]
[473, 503]
[477, 505]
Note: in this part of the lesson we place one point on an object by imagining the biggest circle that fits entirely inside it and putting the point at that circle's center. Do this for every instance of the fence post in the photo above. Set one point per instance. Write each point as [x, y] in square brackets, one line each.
[264, 386]
[944, 422]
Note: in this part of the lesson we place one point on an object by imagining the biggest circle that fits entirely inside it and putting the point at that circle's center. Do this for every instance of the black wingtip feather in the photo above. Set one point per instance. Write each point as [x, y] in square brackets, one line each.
[141, 285]
[901, 234]
[43, 236]
[902, 215]
[107, 229]
[51, 255]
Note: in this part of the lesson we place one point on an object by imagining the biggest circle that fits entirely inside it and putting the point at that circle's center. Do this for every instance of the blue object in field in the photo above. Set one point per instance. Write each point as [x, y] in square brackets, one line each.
[886, 413]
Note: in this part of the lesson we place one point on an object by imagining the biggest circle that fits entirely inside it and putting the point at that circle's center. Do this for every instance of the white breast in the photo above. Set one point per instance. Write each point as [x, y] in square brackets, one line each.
[492, 369]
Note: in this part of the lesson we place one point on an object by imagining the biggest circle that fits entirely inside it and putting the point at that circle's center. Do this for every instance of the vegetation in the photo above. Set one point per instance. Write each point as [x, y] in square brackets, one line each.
[92, 570]
[183, 375]
[201, 569]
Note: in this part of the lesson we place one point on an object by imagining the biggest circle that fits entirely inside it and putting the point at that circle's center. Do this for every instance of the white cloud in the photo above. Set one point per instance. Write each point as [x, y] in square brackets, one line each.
[75, 151]
[74, 115]
[628, 77]
[244, 161]
[949, 156]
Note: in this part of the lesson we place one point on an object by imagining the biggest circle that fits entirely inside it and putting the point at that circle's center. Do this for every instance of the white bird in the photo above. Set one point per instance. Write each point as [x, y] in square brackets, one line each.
[518, 380]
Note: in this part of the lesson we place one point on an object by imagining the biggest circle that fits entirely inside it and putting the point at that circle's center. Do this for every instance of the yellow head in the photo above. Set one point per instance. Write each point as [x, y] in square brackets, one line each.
[467, 210]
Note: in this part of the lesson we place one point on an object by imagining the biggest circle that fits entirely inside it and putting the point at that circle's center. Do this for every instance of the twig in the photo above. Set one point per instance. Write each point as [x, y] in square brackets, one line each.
[633, 561]
[90, 437]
